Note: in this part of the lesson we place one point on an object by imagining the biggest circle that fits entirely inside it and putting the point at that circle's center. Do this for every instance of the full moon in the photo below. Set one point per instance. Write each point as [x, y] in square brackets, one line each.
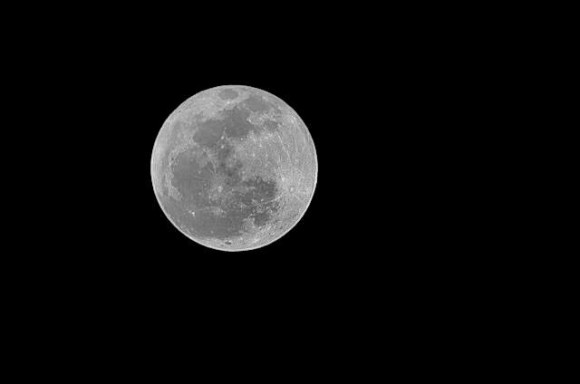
[234, 168]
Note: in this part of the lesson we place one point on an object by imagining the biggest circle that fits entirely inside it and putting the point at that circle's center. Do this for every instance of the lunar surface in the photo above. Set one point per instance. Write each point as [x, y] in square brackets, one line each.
[234, 168]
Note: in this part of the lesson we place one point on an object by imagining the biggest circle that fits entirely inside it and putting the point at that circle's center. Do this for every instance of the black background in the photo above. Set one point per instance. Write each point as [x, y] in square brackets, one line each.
[386, 104]
[390, 247]
[377, 114]
[407, 256]
[361, 108]
[377, 212]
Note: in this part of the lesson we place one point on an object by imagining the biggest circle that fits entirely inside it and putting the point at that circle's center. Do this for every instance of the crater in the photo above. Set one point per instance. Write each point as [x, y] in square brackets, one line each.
[228, 94]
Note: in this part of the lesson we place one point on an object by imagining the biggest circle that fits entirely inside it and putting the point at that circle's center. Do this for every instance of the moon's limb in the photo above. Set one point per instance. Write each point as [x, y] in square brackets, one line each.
[234, 168]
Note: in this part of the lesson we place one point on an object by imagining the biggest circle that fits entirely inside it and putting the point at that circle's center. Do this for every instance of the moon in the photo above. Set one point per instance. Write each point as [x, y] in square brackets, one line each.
[234, 168]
